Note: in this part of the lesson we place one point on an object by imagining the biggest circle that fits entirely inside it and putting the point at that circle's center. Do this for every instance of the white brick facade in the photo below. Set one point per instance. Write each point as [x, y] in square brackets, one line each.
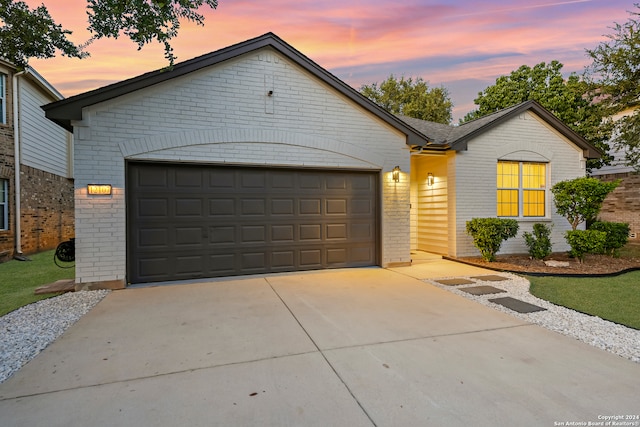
[224, 114]
[522, 138]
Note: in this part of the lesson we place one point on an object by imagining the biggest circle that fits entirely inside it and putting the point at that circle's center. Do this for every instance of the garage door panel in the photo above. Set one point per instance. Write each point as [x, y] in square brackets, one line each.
[282, 206]
[188, 207]
[253, 207]
[188, 178]
[192, 221]
[282, 233]
[253, 234]
[336, 207]
[153, 208]
[222, 207]
[189, 236]
[222, 234]
[153, 237]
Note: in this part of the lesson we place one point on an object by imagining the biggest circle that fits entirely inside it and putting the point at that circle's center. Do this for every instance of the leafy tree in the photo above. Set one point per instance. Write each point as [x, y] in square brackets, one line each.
[413, 98]
[580, 199]
[144, 20]
[616, 72]
[27, 33]
[566, 98]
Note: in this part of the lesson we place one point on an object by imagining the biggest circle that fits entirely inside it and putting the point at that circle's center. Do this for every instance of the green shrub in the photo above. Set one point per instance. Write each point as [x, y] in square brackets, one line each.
[586, 242]
[489, 233]
[617, 235]
[538, 242]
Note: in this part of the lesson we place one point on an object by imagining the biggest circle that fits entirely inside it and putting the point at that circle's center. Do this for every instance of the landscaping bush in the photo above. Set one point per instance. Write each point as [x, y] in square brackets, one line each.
[586, 242]
[538, 242]
[489, 233]
[617, 235]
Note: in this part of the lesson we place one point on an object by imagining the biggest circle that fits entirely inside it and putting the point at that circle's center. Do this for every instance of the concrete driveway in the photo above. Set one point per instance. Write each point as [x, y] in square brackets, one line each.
[353, 347]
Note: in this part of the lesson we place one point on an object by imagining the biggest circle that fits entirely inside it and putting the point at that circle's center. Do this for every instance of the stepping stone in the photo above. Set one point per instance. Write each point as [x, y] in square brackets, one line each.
[482, 290]
[454, 282]
[517, 305]
[490, 278]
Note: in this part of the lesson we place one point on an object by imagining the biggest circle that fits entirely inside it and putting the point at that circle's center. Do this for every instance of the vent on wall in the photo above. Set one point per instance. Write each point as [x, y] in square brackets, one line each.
[633, 235]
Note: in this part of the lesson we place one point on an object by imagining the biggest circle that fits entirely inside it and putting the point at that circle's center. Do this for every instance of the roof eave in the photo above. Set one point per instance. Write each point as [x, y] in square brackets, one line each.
[65, 111]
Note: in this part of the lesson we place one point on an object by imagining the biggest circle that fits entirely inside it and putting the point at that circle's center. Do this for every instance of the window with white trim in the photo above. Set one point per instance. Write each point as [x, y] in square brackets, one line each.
[522, 189]
[3, 98]
[4, 204]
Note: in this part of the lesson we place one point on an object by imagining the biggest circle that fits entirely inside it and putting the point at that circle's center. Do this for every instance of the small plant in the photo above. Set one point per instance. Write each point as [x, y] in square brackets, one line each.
[538, 242]
[617, 235]
[489, 233]
[586, 242]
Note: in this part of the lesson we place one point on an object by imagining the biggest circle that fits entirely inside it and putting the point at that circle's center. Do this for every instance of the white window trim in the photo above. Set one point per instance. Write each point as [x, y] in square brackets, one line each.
[3, 98]
[4, 220]
[547, 193]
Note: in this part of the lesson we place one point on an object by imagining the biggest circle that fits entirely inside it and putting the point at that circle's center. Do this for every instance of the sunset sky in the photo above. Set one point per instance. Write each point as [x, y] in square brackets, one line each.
[463, 45]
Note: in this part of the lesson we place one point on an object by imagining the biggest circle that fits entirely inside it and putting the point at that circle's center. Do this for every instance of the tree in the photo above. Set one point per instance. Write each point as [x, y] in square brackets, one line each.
[616, 72]
[411, 98]
[568, 99]
[26, 33]
[580, 199]
[144, 20]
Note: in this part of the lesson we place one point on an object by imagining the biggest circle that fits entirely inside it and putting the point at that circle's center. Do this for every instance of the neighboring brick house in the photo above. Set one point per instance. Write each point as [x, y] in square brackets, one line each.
[42, 215]
[254, 159]
[623, 204]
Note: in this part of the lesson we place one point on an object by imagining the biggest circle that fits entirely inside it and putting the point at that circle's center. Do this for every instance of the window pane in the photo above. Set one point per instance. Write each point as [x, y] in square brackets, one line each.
[533, 202]
[508, 175]
[534, 175]
[507, 202]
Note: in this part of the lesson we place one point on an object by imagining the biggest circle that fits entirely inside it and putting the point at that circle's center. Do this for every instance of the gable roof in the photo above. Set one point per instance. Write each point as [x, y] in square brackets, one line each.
[446, 137]
[65, 111]
[35, 77]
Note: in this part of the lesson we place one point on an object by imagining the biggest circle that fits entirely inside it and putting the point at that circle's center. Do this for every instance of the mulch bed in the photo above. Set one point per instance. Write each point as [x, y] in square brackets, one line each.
[593, 265]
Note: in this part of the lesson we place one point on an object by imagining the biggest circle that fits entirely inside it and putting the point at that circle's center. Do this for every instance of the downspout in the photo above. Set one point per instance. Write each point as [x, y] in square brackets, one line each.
[16, 145]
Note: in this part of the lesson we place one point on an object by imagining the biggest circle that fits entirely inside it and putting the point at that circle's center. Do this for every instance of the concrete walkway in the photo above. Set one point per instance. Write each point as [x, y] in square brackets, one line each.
[353, 347]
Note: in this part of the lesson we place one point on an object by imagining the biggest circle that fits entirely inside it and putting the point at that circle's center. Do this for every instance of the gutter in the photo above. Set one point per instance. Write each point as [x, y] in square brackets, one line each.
[16, 161]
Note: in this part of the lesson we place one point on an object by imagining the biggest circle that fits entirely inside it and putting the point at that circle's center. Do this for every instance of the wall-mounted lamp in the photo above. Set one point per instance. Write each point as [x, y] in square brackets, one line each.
[430, 179]
[396, 174]
[270, 93]
[99, 189]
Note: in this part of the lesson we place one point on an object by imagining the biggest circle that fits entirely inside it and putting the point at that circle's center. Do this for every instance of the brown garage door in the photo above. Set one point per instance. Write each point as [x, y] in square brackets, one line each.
[195, 221]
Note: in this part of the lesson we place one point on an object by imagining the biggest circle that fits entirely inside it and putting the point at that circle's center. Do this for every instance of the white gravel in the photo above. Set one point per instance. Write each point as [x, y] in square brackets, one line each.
[26, 331]
[592, 330]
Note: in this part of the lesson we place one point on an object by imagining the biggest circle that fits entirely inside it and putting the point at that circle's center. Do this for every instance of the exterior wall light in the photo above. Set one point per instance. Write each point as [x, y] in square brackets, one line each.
[396, 174]
[99, 189]
[430, 179]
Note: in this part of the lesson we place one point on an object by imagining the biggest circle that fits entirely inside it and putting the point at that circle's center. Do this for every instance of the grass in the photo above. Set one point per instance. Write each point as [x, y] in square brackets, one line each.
[18, 280]
[612, 298]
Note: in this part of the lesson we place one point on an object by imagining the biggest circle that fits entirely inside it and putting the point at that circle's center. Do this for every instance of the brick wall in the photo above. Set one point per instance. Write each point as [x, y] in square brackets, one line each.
[223, 114]
[623, 204]
[7, 238]
[46, 209]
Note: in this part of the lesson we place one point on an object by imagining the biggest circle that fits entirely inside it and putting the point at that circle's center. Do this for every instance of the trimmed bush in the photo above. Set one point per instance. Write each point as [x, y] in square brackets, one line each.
[489, 233]
[617, 235]
[538, 242]
[586, 242]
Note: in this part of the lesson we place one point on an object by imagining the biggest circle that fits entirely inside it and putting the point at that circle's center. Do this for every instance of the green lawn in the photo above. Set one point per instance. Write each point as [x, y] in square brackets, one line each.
[612, 298]
[18, 280]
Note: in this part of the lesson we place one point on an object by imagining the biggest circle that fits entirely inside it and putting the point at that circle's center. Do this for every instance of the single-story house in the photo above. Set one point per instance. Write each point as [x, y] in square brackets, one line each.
[254, 159]
[36, 168]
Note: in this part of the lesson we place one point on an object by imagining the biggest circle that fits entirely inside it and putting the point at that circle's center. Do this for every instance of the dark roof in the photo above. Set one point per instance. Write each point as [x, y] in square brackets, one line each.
[63, 112]
[456, 137]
